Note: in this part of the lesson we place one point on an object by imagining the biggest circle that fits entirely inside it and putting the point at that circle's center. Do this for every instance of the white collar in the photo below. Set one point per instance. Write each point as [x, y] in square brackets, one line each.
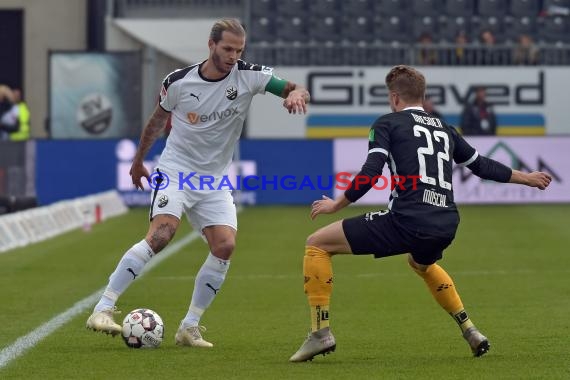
[417, 108]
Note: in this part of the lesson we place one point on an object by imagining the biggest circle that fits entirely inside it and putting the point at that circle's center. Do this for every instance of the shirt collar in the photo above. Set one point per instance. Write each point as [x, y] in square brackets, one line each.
[417, 108]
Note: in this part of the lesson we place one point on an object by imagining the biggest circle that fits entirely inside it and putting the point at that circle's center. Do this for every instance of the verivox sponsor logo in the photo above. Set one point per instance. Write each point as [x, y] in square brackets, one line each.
[195, 118]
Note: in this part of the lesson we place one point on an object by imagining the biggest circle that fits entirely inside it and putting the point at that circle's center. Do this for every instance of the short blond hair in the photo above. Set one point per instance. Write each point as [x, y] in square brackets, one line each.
[231, 25]
[407, 82]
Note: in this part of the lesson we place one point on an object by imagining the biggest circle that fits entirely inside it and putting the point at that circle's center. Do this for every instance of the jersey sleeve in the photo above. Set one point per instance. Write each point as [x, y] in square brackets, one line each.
[483, 167]
[169, 93]
[260, 79]
[256, 76]
[379, 138]
[463, 153]
[378, 152]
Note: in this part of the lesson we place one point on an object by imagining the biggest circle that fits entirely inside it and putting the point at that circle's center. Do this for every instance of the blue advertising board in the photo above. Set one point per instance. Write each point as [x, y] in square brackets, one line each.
[279, 171]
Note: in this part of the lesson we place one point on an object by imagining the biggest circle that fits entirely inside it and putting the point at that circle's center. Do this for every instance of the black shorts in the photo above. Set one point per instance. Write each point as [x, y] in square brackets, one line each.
[378, 234]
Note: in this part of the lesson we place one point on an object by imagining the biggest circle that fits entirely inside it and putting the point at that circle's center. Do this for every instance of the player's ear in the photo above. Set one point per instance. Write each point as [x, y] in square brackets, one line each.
[211, 44]
[393, 98]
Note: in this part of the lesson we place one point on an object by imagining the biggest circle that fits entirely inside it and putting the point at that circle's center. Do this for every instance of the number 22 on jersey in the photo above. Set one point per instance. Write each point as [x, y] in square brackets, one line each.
[423, 151]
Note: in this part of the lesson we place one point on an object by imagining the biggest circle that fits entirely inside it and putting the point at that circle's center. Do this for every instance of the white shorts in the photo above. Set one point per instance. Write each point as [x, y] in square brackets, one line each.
[203, 208]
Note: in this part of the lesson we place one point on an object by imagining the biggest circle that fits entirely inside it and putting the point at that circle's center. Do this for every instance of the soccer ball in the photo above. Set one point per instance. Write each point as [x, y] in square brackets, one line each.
[143, 328]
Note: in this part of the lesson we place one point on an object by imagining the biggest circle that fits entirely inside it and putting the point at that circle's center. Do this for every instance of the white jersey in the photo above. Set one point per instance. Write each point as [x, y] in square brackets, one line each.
[207, 116]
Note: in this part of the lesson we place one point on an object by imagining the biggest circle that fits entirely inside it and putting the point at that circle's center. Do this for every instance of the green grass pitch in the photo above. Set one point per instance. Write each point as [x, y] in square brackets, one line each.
[511, 265]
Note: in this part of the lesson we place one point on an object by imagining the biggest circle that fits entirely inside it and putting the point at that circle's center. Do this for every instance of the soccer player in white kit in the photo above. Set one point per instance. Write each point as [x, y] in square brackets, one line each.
[208, 103]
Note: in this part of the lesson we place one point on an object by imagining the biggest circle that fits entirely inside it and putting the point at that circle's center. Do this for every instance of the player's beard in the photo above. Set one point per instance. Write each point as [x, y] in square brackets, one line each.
[219, 64]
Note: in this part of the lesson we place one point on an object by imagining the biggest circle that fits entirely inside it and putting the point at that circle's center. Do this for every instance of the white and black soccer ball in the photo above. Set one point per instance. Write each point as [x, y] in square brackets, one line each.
[143, 328]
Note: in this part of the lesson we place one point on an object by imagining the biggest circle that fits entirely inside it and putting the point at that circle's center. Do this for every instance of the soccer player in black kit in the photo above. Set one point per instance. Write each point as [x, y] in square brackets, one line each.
[421, 219]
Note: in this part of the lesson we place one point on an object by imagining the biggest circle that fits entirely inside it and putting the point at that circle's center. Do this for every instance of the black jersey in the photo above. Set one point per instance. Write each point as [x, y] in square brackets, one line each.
[419, 150]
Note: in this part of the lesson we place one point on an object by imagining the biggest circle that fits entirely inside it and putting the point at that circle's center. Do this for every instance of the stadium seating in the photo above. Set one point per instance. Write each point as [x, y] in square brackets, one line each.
[262, 8]
[323, 7]
[357, 28]
[426, 7]
[324, 29]
[262, 29]
[557, 3]
[391, 29]
[425, 25]
[516, 26]
[398, 8]
[291, 29]
[354, 31]
[556, 29]
[522, 8]
[450, 27]
[356, 7]
[290, 8]
[463, 8]
[496, 8]
[493, 24]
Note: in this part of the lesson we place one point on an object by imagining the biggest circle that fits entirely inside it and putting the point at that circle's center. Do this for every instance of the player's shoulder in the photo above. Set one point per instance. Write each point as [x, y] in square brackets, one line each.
[450, 128]
[247, 67]
[176, 75]
[388, 120]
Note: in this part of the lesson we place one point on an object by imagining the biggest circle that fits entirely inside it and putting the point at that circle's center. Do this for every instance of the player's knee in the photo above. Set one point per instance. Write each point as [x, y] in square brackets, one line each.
[314, 240]
[224, 248]
[415, 266]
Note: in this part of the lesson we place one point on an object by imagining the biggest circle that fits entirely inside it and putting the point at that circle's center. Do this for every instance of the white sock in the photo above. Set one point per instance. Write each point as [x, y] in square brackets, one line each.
[127, 270]
[208, 282]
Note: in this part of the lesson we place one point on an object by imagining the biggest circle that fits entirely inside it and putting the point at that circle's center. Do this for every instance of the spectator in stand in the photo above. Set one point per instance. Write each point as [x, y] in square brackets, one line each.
[8, 113]
[461, 55]
[427, 55]
[23, 113]
[429, 108]
[478, 117]
[526, 52]
[489, 53]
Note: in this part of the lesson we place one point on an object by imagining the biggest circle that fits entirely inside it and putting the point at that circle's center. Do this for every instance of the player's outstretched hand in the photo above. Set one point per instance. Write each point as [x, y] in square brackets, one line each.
[323, 206]
[295, 102]
[539, 179]
[137, 172]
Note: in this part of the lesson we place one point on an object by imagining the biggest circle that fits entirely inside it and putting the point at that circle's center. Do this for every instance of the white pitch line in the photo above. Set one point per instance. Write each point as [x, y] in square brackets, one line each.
[24, 343]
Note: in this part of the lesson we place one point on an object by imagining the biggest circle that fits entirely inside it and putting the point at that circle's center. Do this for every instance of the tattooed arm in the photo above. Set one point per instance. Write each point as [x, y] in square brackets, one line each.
[150, 133]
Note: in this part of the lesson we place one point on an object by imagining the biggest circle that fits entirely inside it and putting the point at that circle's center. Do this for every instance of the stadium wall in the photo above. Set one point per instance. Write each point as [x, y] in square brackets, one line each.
[294, 171]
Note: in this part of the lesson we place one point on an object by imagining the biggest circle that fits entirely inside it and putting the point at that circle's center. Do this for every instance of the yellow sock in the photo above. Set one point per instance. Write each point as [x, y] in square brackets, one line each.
[443, 290]
[317, 269]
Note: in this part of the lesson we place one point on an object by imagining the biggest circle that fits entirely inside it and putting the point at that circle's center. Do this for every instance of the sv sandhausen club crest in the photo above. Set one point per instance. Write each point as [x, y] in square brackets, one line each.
[231, 92]
[162, 201]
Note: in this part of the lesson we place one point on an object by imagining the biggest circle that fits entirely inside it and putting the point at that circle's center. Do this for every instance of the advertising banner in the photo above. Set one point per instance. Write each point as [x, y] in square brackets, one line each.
[548, 154]
[16, 169]
[291, 171]
[345, 101]
[95, 95]
[268, 172]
